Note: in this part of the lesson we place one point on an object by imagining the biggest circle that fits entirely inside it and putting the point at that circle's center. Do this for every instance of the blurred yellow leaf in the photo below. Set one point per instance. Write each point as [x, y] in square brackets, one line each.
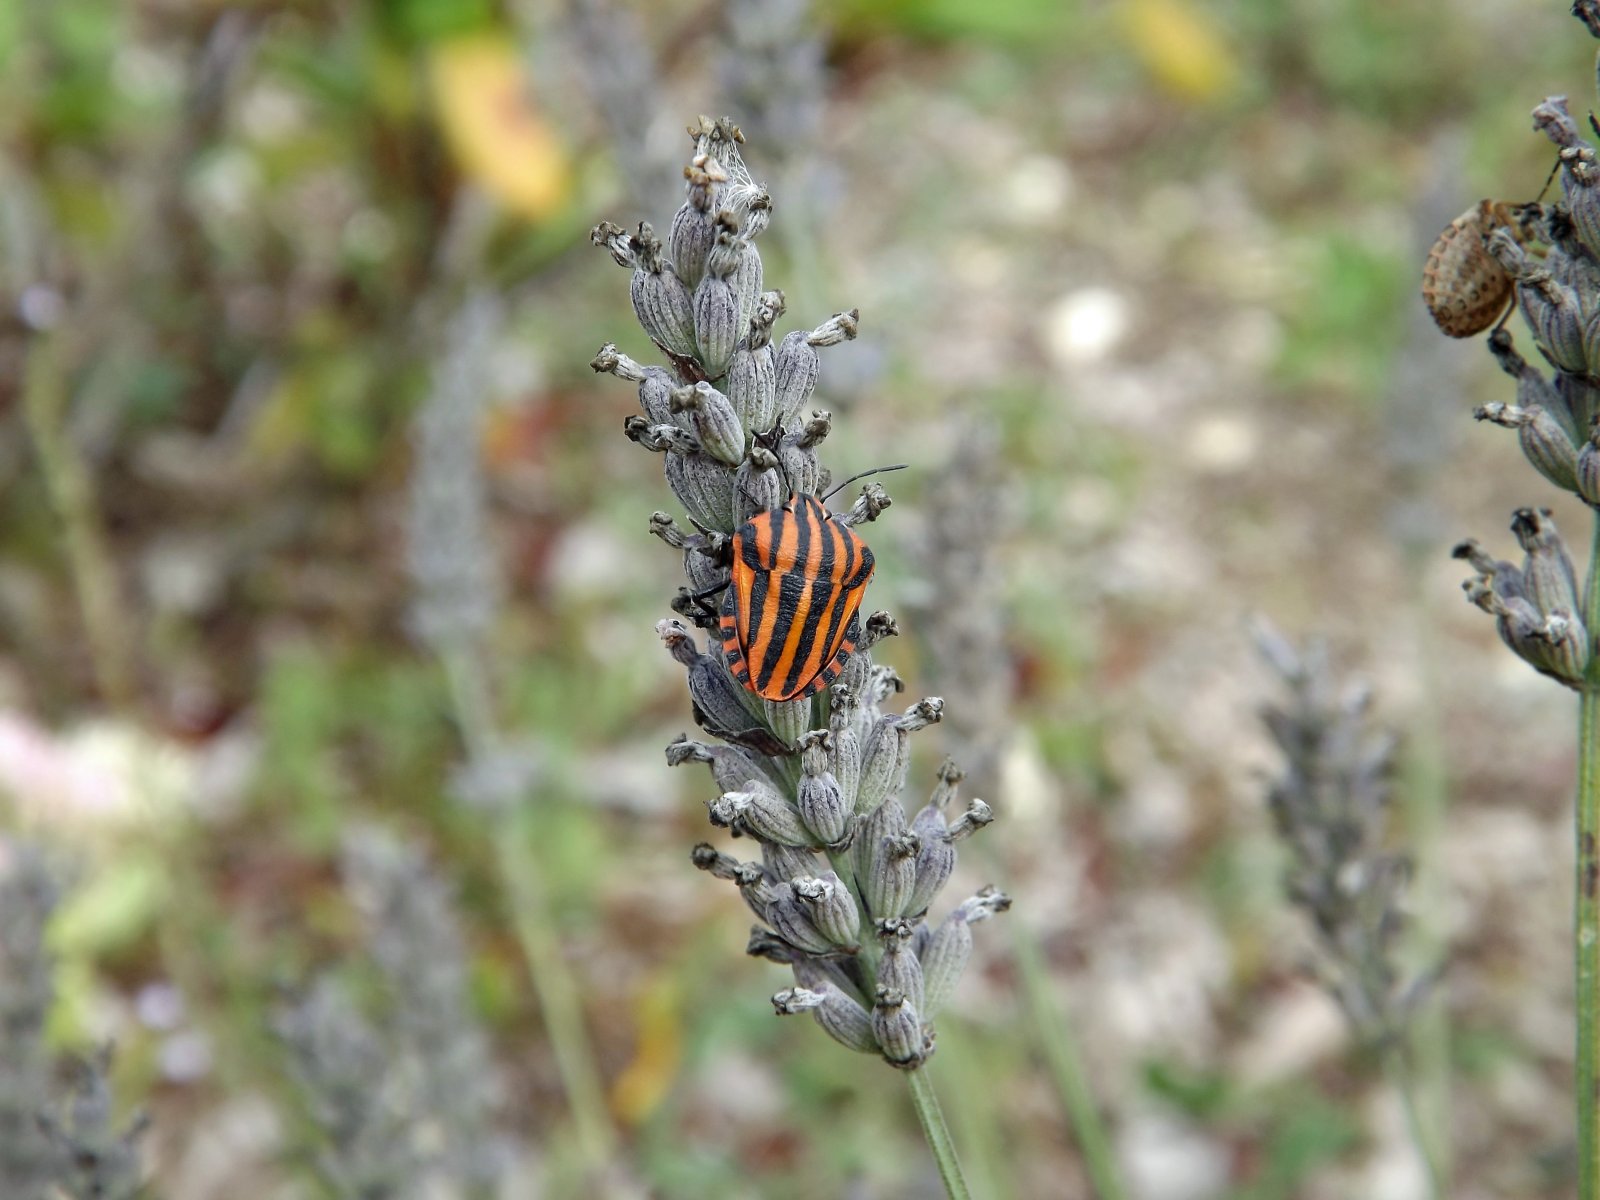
[659, 1050]
[499, 138]
[1180, 45]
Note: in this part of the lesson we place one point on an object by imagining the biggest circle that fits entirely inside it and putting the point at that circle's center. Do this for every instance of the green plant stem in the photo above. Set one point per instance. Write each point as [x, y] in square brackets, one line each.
[937, 1133]
[1425, 1050]
[1586, 907]
[1400, 1079]
[553, 984]
[1066, 1067]
[44, 398]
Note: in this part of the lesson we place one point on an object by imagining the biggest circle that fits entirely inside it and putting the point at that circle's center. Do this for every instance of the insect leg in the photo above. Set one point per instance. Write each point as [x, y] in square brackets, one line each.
[696, 605]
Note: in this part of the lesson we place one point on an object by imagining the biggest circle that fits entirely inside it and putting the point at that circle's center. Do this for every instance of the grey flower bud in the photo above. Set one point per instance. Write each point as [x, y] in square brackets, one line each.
[1550, 306]
[1589, 471]
[655, 383]
[844, 750]
[769, 308]
[758, 485]
[892, 873]
[798, 364]
[1555, 645]
[731, 766]
[704, 487]
[763, 943]
[845, 1020]
[788, 719]
[660, 299]
[868, 506]
[794, 922]
[978, 815]
[1543, 439]
[717, 324]
[832, 908]
[887, 820]
[1583, 401]
[788, 863]
[1533, 389]
[747, 200]
[882, 683]
[899, 968]
[615, 241]
[752, 882]
[752, 385]
[760, 812]
[800, 459]
[944, 959]
[945, 956]
[819, 797]
[694, 226]
[713, 420]
[936, 858]
[1580, 183]
[885, 753]
[660, 439]
[718, 701]
[1551, 581]
[898, 1029]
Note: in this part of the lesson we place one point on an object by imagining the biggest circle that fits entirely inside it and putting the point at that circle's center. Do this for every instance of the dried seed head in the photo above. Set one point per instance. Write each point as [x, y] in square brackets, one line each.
[758, 485]
[899, 968]
[752, 386]
[818, 795]
[704, 486]
[1533, 389]
[788, 863]
[694, 226]
[793, 921]
[1552, 582]
[761, 813]
[899, 1031]
[1588, 471]
[716, 322]
[1543, 439]
[714, 421]
[832, 909]
[843, 1018]
[661, 300]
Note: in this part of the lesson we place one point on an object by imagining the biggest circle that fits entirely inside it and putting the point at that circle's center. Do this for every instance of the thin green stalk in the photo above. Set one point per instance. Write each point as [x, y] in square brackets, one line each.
[1066, 1067]
[1425, 803]
[937, 1133]
[553, 984]
[1401, 1080]
[44, 399]
[1586, 906]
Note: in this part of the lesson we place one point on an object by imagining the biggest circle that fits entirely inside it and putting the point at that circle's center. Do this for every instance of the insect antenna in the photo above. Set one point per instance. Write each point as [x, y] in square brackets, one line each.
[863, 475]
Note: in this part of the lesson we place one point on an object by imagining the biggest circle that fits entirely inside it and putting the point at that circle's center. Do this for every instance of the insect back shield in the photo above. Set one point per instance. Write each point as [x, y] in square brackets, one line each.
[790, 616]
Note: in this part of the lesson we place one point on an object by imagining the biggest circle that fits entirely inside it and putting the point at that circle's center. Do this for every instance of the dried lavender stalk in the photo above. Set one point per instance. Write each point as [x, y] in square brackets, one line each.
[48, 1149]
[341, 1064]
[405, 1099]
[1331, 807]
[1541, 611]
[845, 878]
[455, 601]
[28, 895]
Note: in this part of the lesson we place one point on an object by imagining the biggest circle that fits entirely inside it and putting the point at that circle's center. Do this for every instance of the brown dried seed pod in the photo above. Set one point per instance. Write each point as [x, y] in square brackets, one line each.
[1465, 289]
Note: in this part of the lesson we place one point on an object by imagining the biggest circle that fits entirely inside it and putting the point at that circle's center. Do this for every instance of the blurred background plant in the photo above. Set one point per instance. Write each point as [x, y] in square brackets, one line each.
[1156, 256]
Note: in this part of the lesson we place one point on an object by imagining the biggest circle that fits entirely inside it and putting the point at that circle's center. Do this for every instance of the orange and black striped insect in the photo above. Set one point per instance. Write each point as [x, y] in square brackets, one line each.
[789, 618]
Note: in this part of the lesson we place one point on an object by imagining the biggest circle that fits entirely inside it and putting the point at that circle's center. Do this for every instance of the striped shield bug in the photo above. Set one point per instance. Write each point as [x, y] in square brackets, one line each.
[789, 619]
[1465, 289]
